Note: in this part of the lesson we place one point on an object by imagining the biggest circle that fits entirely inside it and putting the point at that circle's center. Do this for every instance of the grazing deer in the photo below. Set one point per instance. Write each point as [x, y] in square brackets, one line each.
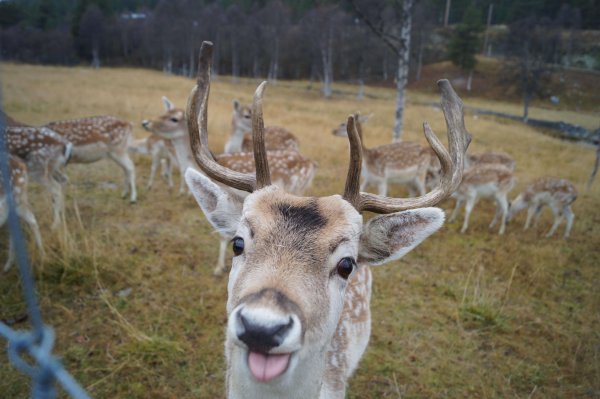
[98, 137]
[277, 138]
[300, 285]
[162, 152]
[491, 157]
[402, 163]
[289, 169]
[484, 181]
[18, 182]
[558, 194]
[45, 153]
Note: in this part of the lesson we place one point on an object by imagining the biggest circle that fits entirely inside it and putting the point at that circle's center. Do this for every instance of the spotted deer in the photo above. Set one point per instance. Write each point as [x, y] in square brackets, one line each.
[98, 137]
[484, 181]
[403, 163]
[491, 157]
[162, 153]
[277, 138]
[46, 153]
[300, 284]
[290, 170]
[18, 182]
[557, 194]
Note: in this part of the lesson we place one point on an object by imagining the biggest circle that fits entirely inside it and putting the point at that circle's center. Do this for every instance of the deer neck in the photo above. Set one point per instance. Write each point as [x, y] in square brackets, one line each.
[305, 382]
[234, 144]
[183, 150]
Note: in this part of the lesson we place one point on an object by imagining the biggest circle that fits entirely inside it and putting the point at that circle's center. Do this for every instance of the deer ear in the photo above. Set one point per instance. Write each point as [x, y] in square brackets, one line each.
[167, 103]
[389, 237]
[236, 105]
[222, 208]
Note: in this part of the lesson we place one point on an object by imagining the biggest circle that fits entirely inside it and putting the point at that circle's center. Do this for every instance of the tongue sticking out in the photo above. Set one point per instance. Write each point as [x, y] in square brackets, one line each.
[265, 367]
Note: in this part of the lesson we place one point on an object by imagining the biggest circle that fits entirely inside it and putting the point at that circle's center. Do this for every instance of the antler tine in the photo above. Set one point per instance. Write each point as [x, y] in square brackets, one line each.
[197, 120]
[351, 190]
[263, 175]
[452, 163]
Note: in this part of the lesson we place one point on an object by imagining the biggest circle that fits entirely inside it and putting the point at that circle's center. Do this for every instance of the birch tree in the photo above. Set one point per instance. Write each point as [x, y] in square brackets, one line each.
[391, 21]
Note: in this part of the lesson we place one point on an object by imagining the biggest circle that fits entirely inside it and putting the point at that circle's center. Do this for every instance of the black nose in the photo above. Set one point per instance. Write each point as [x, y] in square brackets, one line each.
[261, 338]
[145, 123]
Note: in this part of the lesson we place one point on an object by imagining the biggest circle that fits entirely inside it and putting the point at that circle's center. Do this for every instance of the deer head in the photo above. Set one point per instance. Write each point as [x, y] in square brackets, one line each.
[294, 256]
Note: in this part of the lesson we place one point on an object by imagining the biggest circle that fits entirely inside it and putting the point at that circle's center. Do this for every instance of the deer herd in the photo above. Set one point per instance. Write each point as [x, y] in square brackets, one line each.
[298, 307]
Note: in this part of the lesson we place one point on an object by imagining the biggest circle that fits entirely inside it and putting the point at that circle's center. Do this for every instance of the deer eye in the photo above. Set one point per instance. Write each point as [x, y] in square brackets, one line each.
[237, 245]
[175, 120]
[345, 267]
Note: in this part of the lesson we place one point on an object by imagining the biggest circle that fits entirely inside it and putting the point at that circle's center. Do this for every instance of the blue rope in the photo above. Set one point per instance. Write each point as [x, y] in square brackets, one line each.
[39, 342]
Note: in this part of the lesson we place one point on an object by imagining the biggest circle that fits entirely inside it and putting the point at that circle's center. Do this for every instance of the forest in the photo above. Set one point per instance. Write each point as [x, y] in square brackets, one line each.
[287, 39]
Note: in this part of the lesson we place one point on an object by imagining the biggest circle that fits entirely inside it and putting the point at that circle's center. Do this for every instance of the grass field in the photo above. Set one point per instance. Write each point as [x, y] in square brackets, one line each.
[138, 314]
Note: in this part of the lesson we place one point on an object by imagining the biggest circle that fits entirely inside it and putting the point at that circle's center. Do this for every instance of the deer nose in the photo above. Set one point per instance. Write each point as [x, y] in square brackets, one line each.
[145, 123]
[262, 337]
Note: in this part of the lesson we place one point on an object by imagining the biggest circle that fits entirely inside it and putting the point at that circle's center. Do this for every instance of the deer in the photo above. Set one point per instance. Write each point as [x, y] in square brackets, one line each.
[484, 181]
[491, 157]
[557, 194]
[98, 137]
[290, 169]
[45, 153]
[277, 138]
[402, 163]
[298, 295]
[18, 182]
[162, 153]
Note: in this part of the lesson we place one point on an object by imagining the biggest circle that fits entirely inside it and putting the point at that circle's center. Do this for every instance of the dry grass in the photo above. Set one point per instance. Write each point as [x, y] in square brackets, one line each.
[138, 314]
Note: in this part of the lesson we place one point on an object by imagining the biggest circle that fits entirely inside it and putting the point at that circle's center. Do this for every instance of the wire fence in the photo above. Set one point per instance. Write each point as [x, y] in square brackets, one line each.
[47, 370]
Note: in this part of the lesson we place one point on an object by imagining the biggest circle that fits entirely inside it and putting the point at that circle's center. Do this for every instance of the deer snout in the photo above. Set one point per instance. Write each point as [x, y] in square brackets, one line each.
[263, 331]
[146, 124]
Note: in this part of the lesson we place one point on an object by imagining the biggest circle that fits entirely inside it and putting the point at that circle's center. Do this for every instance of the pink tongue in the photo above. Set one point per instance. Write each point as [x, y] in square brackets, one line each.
[265, 367]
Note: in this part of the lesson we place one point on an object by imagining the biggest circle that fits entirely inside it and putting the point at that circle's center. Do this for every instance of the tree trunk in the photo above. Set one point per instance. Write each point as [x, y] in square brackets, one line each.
[526, 100]
[487, 28]
[327, 59]
[274, 67]
[361, 90]
[447, 13]
[595, 170]
[420, 56]
[403, 64]
[192, 59]
[95, 56]
[235, 64]
[469, 80]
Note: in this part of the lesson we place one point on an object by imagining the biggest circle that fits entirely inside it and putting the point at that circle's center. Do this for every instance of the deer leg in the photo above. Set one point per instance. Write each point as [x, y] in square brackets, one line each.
[468, 209]
[27, 215]
[530, 212]
[11, 251]
[456, 210]
[58, 206]
[557, 221]
[168, 171]
[220, 268]
[126, 164]
[569, 216]
[383, 185]
[496, 215]
[502, 205]
[153, 167]
[538, 213]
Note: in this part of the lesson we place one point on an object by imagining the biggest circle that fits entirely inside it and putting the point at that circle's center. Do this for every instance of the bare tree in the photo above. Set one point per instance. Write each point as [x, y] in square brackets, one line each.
[321, 25]
[532, 45]
[91, 32]
[391, 21]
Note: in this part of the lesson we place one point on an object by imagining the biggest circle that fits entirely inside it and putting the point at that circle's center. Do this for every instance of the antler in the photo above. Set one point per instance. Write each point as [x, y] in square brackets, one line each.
[198, 130]
[452, 163]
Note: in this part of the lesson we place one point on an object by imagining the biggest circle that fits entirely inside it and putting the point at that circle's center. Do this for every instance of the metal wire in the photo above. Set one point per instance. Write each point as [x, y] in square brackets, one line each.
[39, 342]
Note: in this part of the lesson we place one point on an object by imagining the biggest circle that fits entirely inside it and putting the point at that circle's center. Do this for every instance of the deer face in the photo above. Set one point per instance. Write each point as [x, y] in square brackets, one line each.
[170, 125]
[342, 129]
[293, 259]
[241, 118]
